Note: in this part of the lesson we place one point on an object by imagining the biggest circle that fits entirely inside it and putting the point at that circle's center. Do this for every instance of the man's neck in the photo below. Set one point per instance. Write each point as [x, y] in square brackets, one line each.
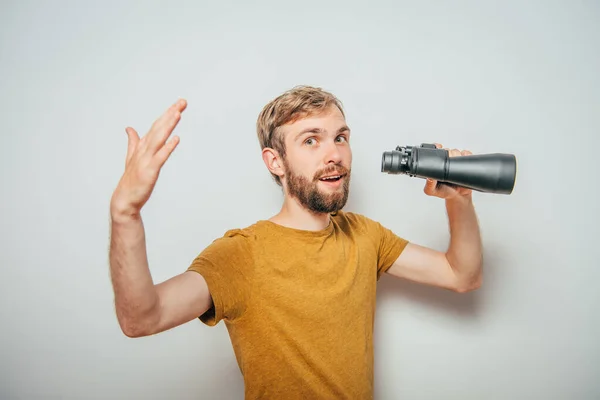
[294, 215]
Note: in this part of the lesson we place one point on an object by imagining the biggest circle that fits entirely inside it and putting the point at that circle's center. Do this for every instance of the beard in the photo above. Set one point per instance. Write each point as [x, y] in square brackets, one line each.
[308, 194]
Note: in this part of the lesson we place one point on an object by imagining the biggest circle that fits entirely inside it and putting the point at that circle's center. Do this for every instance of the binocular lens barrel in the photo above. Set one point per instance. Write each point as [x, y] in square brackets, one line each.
[489, 173]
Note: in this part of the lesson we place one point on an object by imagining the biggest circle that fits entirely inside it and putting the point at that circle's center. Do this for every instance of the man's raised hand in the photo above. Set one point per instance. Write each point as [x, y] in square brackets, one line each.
[144, 160]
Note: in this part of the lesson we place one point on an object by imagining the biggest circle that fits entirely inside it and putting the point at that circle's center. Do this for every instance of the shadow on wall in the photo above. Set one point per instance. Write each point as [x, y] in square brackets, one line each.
[469, 305]
[391, 289]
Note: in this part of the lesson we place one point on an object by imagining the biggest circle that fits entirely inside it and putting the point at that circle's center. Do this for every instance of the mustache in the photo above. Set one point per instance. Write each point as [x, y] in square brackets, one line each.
[332, 170]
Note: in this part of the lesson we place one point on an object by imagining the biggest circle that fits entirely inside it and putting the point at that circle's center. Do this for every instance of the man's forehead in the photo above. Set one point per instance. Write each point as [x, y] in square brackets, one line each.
[332, 115]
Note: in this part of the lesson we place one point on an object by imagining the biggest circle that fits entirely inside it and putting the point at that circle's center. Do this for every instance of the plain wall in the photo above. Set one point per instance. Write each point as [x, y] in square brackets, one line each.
[515, 77]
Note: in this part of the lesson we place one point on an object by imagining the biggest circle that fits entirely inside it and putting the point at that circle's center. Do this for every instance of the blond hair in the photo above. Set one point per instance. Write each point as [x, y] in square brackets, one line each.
[296, 103]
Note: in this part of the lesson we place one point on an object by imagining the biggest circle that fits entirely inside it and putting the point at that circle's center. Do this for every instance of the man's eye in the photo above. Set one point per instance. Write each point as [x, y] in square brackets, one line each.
[343, 138]
[309, 141]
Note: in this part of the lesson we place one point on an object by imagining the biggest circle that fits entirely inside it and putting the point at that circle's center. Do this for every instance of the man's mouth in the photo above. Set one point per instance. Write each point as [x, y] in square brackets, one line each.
[332, 178]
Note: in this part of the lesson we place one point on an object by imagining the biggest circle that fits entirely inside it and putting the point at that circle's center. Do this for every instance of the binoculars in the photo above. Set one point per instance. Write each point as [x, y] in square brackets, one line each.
[489, 173]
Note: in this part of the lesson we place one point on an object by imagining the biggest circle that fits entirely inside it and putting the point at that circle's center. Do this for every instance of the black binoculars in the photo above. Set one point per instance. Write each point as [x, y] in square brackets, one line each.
[489, 173]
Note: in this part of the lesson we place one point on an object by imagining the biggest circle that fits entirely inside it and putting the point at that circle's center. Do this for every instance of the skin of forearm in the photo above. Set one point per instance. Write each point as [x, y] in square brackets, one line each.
[465, 249]
[136, 298]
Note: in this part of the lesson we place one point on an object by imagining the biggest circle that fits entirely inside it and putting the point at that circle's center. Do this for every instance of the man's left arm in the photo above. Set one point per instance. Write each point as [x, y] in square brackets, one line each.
[460, 267]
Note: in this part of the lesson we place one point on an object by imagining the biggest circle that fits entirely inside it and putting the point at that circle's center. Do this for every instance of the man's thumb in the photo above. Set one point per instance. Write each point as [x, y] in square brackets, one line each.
[132, 139]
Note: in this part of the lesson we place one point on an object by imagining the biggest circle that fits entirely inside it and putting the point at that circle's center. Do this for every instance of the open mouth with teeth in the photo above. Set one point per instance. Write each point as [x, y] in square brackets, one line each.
[332, 178]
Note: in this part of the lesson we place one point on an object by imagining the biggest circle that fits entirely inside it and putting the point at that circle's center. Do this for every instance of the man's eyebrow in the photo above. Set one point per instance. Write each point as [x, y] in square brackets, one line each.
[308, 130]
[319, 131]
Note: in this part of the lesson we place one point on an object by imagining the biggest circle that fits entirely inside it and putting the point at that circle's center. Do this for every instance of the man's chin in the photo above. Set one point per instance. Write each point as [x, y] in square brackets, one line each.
[322, 211]
[334, 203]
[333, 185]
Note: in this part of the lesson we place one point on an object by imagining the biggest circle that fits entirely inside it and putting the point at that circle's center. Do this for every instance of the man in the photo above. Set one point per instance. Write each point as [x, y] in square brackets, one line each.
[296, 291]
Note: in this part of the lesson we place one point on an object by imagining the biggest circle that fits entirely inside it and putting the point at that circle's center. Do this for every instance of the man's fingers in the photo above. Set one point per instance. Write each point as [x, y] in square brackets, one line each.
[132, 140]
[163, 127]
[430, 186]
[174, 111]
[454, 152]
[178, 106]
[170, 124]
[165, 151]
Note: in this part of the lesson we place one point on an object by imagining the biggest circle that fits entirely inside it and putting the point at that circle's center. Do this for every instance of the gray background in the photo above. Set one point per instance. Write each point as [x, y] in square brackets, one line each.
[512, 76]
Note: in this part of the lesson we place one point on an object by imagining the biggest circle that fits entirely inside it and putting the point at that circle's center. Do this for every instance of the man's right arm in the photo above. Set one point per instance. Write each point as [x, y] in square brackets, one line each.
[142, 307]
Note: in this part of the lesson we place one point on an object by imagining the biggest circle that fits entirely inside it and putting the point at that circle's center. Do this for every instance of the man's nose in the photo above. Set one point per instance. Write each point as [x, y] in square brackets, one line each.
[333, 154]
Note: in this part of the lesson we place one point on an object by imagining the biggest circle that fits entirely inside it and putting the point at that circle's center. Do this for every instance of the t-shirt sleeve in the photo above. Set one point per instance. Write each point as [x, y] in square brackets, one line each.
[227, 266]
[390, 247]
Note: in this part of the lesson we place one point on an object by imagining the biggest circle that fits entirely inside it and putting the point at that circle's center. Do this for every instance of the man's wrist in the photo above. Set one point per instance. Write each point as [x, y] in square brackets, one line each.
[123, 213]
[460, 201]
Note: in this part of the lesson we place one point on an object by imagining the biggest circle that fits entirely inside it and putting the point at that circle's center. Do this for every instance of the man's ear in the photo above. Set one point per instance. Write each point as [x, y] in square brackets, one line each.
[273, 161]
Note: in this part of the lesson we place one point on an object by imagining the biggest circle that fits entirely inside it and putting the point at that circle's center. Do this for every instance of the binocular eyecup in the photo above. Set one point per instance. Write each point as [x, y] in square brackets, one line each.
[488, 173]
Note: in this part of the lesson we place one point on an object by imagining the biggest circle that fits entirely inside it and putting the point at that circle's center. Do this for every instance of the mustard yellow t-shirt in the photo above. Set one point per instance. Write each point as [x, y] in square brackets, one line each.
[299, 305]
